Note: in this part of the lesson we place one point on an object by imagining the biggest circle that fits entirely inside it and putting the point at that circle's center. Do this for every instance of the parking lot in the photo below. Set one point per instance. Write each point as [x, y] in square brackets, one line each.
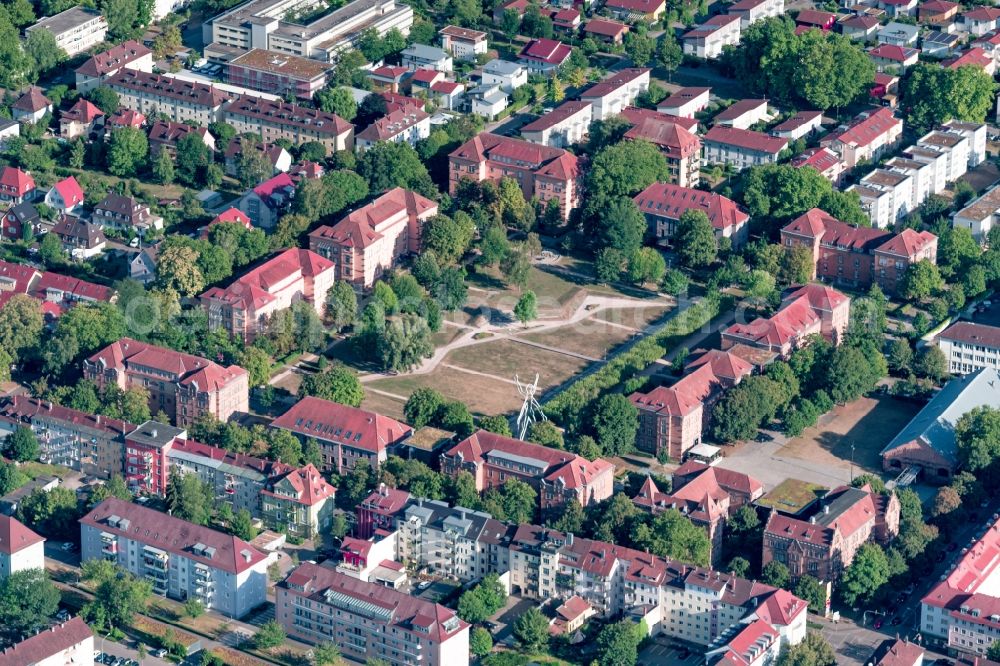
[667, 652]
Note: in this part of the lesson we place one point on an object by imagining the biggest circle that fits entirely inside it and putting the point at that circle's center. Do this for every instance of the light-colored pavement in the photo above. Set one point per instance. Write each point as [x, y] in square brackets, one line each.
[763, 461]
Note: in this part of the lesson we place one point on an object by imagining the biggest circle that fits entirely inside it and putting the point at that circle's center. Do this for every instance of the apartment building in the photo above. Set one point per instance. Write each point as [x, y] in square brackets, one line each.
[558, 476]
[278, 73]
[372, 239]
[346, 435]
[125, 213]
[165, 135]
[183, 386]
[681, 147]
[563, 126]
[663, 204]
[244, 308]
[741, 148]
[182, 560]
[463, 43]
[870, 135]
[509, 76]
[277, 119]
[825, 544]
[702, 501]
[70, 642]
[708, 39]
[177, 99]
[75, 30]
[970, 347]
[807, 311]
[886, 196]
[368, 621]
[91, 444]
[296, 27]
[980, 214]
[800, 125]
[744, 114]
[408, 125]
[686, 102]
[98, 68]
[672, 418]
[543, 172]
[376, 514]
[265, 204]
[614, 94]
[751, 11]
[886, 56]
[858, 256]
[20, 548]
[742, 489]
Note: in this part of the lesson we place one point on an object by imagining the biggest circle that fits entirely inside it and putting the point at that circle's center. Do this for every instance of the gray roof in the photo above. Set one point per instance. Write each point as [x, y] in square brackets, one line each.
[502, 67]
[424, 52]
[911, 31]
[67, 20]
[439, 516]
[935, 424]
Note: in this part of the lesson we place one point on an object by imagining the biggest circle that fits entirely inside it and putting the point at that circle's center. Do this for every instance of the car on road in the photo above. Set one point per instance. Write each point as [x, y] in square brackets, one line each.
[763, 437]
[161, 653]
[492, 627]
[69, 546]
[98, 657]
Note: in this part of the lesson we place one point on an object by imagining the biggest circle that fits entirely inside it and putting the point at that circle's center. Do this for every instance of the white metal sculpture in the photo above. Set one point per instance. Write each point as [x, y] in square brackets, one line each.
[531, 411]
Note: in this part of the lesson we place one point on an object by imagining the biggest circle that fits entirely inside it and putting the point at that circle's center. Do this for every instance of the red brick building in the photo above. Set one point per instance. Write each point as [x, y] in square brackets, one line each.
[858, 256]
[663, 204]
[147, 460]
[543, 172]
[558, 476]
[681, 147]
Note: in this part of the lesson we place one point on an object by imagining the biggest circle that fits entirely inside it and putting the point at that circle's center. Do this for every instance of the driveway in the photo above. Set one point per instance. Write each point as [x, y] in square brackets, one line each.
[668, 652]
[515, 608]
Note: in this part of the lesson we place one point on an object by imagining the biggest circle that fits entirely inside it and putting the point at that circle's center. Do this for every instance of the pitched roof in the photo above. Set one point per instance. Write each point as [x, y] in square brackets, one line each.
[32, 100]
[865, 130]
[359, 228]
[636, 115]
[669, 136]
[561, 113]
[816, 222]
[938, 6]
[518, 153]
[893, 52]
[972, 333]
[72, 228]
[605, 27]
[982, 14]
[907, 243]
[671, 201]
[113, 59]
[272, 185]
[975, 57]
[726, 478]
[684, 397]
[308, 484]
[70, 191]
[349, 426]
[188, 369]
[820, 159]
[642, 6]
[798, 120]
[255, 288]
[860, 22]
[22, 409]
[814, 17]
[392, 124]
[548, 51]
[127, 118]
[76, 287]
[282, 113]
[47, 643]
[15, 536]
[613, 83]
[160, 530]
[746, 139]
[82, 112]
[740, 108]
[14, 180]
[169, 132]
[194, 93]
[724, 364]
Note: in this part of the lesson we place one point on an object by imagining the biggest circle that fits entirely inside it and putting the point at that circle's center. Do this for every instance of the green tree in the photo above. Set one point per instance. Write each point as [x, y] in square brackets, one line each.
[646, 265]
[189, 498]
[673, 535]
[498, 424]
[931, 363]
[868, 572]
[41, 48]
[422, 407]
[695, 239]
[192, 159]
[341, 305]
[797, 265]
[993, 653]
[812, 592]
[977, 434]
[623, 170]
[614, 423]
[669, 53]
[526, 309]
[21, 445]
[389, 164]
[739, 567]
[618, 644]
[547, 434]
[127, 150]
[118, 599]
[163, 168]
[404, 343]
[27, 600]
[337, 100]
[531, 629]
[327, 654]
[639, 48]
[775, 573]
[52, 513]
[451, 292]
[177, 270]
[242, 525]
[194, 608]
[921, 280]
[480, 642]
[114, 487]
[899, 356]
[813, 651]
[338, 384]
[339, 526]
[608, 264]
[271, 634]
[938, 94]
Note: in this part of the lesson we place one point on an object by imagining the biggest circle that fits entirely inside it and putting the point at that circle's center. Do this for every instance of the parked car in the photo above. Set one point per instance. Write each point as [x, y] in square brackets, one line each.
[423, 585]
[161, 653]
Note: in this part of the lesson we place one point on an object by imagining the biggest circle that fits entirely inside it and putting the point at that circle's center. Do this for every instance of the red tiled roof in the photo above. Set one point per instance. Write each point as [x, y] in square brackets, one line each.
[169, 132]
[893, 52]
[74, 286]
[70, 191]
[938, 6]
[580, 472]
[15, 181]
[478, 445]
[127, 118]
[254, 288]
[282, 113]
[32, 101]
[113, 59]
[901, 653]
[234, 215]
[394, 123]
[272, 185]
[864, 131]
[188, 368]
[605, 27]
[726, 478]
[975, 57]
[359, 227]
[982, 14]
[907, 243]
[427, 76]
[194, 93]
[446, 87]
[816, 222]
[860, 22]
[549, 51]
[683, 397]
[642, 6]
[309, 485]
[753, 639]
[820, 159]
[815, 17]
[723, 364]
[386, 500]
[22, 409]
[746, 139]
[333, 422]
[563, 112]
[671, 201]
[613, 83]
[517, 153]
[394, 101]
[83, 112]
[798, 120]
[15, 536]
[677, 141]
[681, 97]
[46, 644]
[389, 72]
[636, 115]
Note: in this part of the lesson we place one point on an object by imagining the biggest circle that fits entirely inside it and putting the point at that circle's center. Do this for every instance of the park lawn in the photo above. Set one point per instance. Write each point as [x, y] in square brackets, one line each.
[33, 470]
[506, 358]
[637, 318]
[483, 395]
[383, 404]
[593, 338]
[554, 292]
[446, 335]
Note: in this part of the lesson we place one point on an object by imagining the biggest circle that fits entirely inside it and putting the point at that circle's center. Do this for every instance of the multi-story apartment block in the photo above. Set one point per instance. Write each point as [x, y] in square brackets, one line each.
[663, 204]
[277, 73]
[464, 43]
[298, 500]
[147, 466]
[121, 212]
[347, 435]
[809, 310]
[183, 386]
[244, 308]
[99, 67]
[680, 146]
[871, 134]
[703, 501]
[91, 444]
[543, 172]
[824, 545]
[970, 347]
[558, 476]
[408, 125]
[179, 100]
[293, 27]
[20, 548]
[70, 642]
[741, 148]
[372, 239]
[886, 196]
[368, 621]
[708, 39]
[751, 11]
[76, 29]
[686, 102]
[612, 95]
[980, 215]
[182, 560]
[672, 418]
[376, 514]
[565, 125]
[858, 256]
[277, 119]
[744, 114]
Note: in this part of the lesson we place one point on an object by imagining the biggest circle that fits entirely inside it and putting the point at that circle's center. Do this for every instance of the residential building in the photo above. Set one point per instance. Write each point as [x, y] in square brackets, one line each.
[885, 90]
[860, 27]
[970, 347]
[940, 13]
[488, 101]
[974, 57]
[388, 78]
[708, 39]
[121, 212]
[981, 20]
[681, 147]
[277, 119]
[346, 435]
[371, 240]
[147, 468]
[606, 30]
[800, 125]
[279, 158]
[142, 267]
[178, 99]
[886, 196]
[558, 476]
[369, 621]
[508, 75]
[65, 196]
[182, 560]
[98, 68]
[646, 11]
[32, 106]
[463, 43]
[421, 56]
[8, 130]
[858, 256]
[244, 307]
[927, 444]
[20, 548]
[614, 94]
[744, 114]
[751, 11]
[543, 172]
[980, 214]
[76, 29]
[741, 148]
[755, 643]
[401, 126]
[267, 202]
[939, 44]
[447, 94]
[544, 56]
[686, 102]
[897, 652]
[899, 34]
[566, 20]
[565, 125]
[807, 311]
[70, 642]
[16, 185]
[571, 615]
[296, 28]
[278, 73]
[376, 514]
[164, 135]
[813, 18]
[80, 239]
[897, 8]
[21, 221]
[886, 56]
[663, 204]
[183, 386]
[871, 134]
[742, 489]
[82, 119]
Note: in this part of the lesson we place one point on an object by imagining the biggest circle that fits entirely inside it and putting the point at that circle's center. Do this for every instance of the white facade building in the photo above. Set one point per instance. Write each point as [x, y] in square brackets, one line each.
[70, 643]
[508, 75]
[970, 347]
[20, 548]
[610, 96]
[565, 125]
[76, 29]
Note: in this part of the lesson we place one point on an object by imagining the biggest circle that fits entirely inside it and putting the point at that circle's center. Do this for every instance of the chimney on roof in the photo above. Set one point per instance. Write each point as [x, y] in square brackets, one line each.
[153, 432]
[569, 538]
[826, 509]
[812, 520]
